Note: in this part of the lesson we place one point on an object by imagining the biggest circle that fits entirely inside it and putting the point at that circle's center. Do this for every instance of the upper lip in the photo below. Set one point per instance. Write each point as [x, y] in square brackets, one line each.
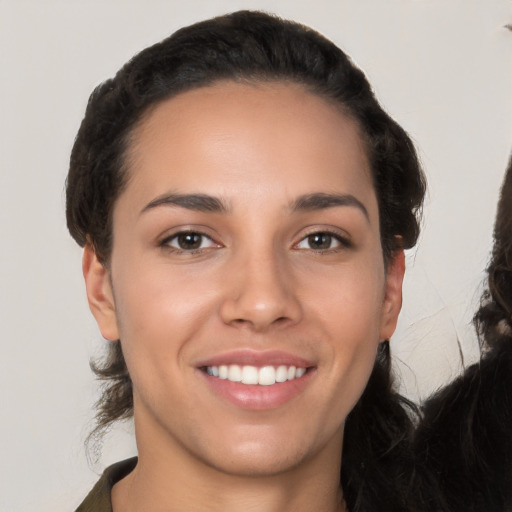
[256, 358]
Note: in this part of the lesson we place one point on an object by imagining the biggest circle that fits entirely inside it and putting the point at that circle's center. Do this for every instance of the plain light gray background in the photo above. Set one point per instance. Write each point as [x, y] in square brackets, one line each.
[440, 67]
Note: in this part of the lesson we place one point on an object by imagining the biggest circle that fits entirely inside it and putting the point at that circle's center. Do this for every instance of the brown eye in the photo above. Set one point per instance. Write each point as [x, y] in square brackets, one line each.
[323, 241]
[320, 241]
[189, 241]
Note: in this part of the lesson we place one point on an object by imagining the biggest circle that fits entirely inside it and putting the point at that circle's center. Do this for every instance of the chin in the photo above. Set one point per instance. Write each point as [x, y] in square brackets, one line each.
[266, 454]
[255, 460]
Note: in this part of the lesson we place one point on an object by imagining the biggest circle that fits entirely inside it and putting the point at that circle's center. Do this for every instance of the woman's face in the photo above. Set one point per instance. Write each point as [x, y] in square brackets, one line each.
[246, 246]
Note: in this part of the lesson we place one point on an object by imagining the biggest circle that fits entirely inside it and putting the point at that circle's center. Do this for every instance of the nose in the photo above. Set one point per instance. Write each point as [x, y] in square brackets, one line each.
[260, 294]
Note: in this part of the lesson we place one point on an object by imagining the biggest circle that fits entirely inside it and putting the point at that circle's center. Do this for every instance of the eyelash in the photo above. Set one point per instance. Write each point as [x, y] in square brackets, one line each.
[343, 242]
[166, 242]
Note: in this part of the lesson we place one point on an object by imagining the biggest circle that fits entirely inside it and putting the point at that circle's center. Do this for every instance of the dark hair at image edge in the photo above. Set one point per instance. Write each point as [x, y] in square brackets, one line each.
[254, 47]
[493, 320]
[465, 437]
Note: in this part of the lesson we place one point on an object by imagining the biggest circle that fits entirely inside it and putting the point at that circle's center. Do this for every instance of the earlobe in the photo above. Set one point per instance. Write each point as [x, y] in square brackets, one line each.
[393, 294]
[99, 294]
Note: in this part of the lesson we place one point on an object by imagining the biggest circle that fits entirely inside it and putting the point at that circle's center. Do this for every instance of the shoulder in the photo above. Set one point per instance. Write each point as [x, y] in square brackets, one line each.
[98, 500]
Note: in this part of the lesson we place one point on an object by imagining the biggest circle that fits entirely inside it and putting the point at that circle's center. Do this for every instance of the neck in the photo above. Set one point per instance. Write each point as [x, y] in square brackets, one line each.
[146, 490]
[169, 479]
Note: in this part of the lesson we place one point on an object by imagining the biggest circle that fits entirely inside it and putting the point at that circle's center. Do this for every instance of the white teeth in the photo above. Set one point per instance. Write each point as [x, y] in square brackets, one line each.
[282, 374]
[299, 372]
[223, 371]
[267, 376]
[234, 373]
[252, 375]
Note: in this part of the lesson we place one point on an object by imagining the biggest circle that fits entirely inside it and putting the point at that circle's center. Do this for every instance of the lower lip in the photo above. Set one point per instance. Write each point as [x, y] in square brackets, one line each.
[255, 397]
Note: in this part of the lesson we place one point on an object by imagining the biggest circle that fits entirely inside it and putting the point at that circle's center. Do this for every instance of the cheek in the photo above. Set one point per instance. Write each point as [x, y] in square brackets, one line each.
[159, 311]
[350, 310]
[349, 300]
[353, 357]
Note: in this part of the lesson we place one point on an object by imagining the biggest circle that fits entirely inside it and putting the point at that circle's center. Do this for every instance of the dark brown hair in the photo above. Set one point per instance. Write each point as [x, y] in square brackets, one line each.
[494, 318]
[464, 442]
[254, 47]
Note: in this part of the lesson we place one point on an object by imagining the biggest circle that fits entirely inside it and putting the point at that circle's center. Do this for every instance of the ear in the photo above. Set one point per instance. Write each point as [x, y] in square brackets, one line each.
[393, 294]
[99, 294]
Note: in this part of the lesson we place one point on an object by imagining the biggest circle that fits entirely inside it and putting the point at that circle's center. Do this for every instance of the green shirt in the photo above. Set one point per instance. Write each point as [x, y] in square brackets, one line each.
[99, 500]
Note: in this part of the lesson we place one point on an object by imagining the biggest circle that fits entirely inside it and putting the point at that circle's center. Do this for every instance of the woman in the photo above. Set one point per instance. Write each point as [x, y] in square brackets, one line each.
[465, 437]
[243, 203]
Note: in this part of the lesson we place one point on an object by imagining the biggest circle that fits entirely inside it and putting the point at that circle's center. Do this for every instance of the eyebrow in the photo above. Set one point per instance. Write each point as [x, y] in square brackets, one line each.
[322, 201]
[207, 203]
[198, 202]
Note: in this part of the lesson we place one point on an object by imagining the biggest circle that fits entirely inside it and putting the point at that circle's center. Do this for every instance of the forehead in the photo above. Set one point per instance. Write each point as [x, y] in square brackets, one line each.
[234, 139]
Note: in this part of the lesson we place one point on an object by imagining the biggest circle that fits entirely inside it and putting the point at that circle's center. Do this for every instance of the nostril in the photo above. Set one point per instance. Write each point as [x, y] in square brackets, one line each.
[257, 308]
[258, 323]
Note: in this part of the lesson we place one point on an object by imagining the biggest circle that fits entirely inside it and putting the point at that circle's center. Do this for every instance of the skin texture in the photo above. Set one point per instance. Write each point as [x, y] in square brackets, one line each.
[256, 284]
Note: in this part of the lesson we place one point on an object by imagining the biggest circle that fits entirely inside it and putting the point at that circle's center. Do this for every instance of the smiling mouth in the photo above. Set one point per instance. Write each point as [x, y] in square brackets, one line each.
[253, 375]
